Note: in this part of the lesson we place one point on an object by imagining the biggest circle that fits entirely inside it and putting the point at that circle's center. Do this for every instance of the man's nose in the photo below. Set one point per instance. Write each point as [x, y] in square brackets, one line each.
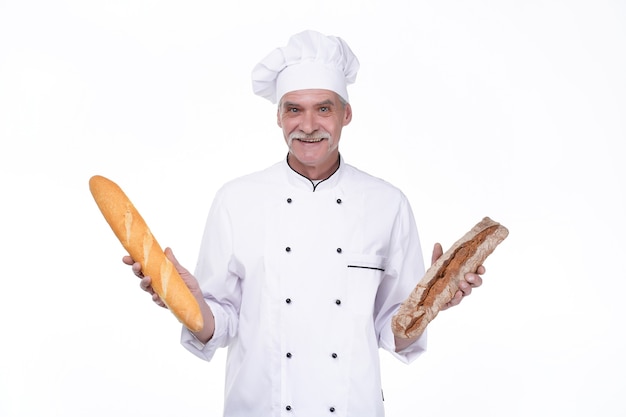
[308, 123]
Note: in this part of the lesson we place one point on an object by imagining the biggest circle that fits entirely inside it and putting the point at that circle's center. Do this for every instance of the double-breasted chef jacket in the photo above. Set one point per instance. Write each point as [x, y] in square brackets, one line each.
[303, 280]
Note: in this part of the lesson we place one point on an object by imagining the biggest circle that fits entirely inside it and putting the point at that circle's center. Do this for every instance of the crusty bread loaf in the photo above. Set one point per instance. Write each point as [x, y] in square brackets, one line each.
[132, 231]
[442, 279]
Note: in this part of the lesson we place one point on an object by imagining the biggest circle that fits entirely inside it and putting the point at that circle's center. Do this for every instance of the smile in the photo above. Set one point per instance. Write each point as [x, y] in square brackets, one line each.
[310, 140]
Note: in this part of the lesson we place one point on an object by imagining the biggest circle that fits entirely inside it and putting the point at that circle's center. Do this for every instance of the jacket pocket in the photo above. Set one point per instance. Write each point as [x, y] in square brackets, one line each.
[367, 262]
[364, 275]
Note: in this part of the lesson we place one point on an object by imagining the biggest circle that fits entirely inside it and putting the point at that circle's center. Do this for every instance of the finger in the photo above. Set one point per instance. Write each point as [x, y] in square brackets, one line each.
[128, 260]
[474, 280]
[458, 296]
[137, 269]
[146, 284]
[481, 270]
[465, 288]
[437, 252]
[169, 253]
[158, 301]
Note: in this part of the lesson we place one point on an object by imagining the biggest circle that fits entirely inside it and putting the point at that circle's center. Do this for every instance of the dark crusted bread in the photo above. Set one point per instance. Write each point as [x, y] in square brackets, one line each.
[442, 279]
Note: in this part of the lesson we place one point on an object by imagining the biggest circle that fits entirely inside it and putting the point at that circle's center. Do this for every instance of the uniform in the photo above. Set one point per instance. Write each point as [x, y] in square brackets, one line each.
[303, 279]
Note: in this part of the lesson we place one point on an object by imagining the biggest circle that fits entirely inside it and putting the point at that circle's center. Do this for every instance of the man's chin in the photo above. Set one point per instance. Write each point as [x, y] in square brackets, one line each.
[314, 159]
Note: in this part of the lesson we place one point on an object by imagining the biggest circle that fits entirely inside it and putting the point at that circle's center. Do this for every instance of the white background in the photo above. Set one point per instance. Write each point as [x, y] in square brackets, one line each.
[508, 109]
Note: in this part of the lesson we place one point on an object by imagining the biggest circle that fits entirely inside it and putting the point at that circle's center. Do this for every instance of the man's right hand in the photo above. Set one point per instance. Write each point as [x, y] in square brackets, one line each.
[206, 333]
[146, 281]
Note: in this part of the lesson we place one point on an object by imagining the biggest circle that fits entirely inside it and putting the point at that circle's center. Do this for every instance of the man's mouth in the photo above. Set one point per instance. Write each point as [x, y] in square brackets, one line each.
[314, 140]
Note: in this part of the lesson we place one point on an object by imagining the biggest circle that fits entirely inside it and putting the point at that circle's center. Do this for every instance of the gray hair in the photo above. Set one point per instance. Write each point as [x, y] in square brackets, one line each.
[342, 101]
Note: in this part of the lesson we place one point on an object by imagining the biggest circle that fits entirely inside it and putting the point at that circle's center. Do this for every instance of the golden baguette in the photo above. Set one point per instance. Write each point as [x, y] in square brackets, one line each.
[134, 234]
[441, 280]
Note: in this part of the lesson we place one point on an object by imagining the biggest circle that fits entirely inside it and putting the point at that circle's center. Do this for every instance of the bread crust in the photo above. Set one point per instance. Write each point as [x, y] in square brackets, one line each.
[134, 234]
[442, 279]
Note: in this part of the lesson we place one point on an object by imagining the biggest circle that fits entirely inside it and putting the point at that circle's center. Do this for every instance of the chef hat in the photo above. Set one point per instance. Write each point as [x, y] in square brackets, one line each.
[310, 60]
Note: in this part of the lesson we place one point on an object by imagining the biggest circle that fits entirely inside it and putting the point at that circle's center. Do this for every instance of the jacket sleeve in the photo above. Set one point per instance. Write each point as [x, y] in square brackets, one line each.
[405, 267]
[218, 274]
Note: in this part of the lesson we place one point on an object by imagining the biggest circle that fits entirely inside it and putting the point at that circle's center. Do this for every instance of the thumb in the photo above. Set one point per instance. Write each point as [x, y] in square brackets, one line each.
[169, 253]
[437, 252]
[189, 279]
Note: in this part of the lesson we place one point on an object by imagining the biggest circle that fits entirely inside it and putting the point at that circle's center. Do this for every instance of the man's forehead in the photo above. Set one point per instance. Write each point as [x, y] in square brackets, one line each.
[317, 97]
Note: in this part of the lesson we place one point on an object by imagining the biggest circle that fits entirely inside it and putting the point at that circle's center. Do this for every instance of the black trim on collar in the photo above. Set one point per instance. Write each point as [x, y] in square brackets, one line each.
[313, 183]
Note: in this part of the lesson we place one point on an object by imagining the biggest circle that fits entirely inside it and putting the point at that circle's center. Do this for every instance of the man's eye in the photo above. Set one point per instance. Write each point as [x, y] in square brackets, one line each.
[324, 109]
[292, 110]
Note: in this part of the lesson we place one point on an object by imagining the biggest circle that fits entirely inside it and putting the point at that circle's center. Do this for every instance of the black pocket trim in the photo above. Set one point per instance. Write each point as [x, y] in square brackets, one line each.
[366, 267]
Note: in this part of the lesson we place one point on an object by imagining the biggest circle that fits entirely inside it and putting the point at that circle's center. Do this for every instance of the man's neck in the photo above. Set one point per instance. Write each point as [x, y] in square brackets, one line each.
[313, 173]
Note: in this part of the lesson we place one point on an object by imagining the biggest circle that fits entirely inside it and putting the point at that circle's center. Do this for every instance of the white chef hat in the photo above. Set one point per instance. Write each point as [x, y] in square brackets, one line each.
[310, 60]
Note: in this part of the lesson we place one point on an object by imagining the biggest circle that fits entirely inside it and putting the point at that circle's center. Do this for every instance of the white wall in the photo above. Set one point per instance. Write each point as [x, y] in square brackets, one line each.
[508, 109]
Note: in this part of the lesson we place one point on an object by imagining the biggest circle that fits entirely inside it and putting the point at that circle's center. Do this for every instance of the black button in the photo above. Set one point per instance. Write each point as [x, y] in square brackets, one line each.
[334, 355]
[288, 300]
[339, 201]
[289, 200]
[288, 408]
[288, 354]
[339, 250]
[332, 409]
[338, 301]
[288, 249]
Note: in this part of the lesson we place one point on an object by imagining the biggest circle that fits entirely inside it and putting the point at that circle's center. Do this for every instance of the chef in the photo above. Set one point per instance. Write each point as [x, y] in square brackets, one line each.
[303, 264]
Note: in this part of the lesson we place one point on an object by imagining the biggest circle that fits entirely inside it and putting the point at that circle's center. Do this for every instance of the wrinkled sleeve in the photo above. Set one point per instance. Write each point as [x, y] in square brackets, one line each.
[217, 272]
[404, 269]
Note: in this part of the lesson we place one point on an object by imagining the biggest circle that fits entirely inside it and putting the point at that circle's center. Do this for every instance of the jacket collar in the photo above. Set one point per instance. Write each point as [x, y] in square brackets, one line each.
[300, 181]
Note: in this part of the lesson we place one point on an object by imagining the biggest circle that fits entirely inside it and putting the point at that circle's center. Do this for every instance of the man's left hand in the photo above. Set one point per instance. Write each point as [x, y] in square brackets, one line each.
[472, 280]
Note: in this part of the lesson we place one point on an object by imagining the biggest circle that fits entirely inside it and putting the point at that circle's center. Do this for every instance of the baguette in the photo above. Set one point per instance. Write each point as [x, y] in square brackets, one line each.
[134, 234]
[442, 279]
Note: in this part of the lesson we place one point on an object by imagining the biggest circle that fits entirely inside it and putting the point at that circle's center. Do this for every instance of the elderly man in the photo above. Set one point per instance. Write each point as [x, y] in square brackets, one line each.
[303, 265]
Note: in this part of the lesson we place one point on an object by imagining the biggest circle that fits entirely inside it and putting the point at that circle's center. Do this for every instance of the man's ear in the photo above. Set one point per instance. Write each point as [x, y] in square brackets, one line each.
[278, 121]
[347, 117]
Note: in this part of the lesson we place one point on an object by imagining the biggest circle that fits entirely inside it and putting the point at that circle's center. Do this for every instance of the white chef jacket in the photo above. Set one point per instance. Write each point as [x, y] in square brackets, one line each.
[303, 281]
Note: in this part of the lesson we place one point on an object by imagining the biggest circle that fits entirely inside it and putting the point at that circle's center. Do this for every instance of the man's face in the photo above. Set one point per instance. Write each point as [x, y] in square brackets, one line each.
[311, 121]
